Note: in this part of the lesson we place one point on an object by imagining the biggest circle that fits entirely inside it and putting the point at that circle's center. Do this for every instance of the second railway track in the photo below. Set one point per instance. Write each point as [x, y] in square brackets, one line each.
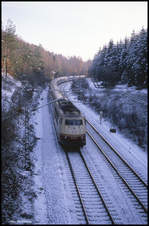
[136, 185]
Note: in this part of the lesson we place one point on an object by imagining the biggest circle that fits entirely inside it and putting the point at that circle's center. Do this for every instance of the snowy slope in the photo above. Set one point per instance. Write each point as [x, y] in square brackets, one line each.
[9, 85]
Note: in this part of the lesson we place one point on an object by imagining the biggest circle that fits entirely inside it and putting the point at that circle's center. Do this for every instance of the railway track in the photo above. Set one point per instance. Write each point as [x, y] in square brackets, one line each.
[132, 181]
[95, 208]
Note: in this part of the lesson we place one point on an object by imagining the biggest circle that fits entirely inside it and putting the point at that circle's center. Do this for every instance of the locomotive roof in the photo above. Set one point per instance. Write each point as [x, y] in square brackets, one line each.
[68, 108]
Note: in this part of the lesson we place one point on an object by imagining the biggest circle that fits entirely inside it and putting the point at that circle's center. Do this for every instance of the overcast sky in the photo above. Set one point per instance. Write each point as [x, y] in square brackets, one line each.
[75, 28]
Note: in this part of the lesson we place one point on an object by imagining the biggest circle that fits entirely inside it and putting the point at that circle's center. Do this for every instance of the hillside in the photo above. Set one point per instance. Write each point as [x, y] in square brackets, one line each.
[18, 140]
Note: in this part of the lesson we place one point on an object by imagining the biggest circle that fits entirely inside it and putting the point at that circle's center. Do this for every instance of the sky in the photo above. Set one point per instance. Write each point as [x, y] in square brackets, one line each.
[76, 28]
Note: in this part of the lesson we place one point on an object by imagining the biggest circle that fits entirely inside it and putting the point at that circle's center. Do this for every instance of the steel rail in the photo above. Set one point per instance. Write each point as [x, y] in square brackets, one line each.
[77, 188]
[125, 182]
[118, 154]
[97, 189]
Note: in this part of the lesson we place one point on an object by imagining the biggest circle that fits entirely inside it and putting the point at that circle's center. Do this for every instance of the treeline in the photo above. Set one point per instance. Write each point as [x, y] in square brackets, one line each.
[124, 62]
[20, 57]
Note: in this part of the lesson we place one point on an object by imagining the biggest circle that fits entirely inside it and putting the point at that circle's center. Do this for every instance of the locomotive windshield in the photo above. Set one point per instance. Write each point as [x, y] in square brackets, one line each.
[73, 122]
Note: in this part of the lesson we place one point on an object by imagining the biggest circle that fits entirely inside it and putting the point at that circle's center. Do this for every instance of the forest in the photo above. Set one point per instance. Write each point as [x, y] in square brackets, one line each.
[122, 63]
[20, 58]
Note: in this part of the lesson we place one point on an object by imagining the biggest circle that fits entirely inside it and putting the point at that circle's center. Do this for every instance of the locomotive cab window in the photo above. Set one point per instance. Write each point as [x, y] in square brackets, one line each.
[73, 122]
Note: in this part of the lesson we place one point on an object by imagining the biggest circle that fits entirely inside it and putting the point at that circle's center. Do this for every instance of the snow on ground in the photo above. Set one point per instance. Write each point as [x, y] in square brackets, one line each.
[54, 203]
[51, 205]
[14, 83]
[9, 85]
[123, 87]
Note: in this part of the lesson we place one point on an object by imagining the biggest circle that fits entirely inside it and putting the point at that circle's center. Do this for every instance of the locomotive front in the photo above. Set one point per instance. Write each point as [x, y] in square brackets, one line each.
[73, 131]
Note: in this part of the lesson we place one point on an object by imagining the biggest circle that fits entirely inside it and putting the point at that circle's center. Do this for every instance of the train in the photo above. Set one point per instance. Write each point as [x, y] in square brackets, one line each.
[70, 124]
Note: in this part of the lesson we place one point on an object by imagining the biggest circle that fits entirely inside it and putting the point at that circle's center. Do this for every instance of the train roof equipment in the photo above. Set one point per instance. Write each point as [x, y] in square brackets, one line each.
[68, 108]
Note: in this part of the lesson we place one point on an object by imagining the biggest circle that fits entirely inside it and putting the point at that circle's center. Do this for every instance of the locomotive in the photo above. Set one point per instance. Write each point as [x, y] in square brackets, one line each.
[68, 120]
